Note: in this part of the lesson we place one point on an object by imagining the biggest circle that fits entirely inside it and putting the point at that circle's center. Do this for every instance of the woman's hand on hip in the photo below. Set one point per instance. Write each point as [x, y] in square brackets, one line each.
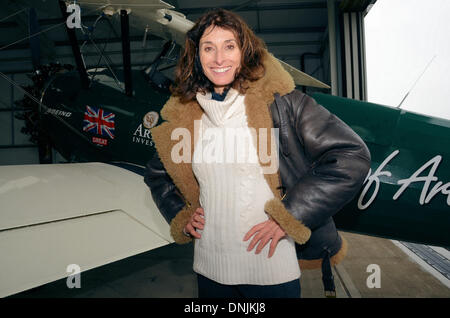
[197, 221]
[265, 231]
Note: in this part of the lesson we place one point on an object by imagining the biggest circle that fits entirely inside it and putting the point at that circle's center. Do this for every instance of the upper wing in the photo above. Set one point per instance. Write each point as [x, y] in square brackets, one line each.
[301, 78]
[88, 214]
[159, 18]
[154, 15]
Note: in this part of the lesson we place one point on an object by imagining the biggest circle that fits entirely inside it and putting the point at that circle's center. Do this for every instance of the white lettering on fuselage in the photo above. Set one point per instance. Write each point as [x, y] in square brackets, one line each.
[142, 136]
[425, 195]
[58, 112]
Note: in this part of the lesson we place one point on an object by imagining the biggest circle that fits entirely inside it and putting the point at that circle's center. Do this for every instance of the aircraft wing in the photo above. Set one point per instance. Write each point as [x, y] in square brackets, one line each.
[159, 19]
[301, 78]
[88, 214]
[150, 14]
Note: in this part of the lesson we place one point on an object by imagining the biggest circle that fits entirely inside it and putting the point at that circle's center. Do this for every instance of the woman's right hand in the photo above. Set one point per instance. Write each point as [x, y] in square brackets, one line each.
[197, 221]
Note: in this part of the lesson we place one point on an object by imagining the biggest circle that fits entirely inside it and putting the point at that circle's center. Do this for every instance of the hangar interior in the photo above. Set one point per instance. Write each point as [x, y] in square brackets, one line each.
[323, 38]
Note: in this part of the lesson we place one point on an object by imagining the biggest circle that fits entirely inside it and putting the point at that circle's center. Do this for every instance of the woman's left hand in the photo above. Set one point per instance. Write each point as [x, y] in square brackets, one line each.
[265, 231]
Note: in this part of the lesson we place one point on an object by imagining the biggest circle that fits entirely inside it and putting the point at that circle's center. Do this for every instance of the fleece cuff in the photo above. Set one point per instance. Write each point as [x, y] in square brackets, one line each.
[293, 227]
[178, 223]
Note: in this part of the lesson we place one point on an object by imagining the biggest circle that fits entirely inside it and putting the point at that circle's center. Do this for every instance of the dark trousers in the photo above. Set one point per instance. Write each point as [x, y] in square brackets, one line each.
[208, 288]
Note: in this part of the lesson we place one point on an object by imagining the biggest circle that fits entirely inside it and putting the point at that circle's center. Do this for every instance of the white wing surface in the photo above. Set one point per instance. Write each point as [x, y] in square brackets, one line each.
[88, 214]
[154, 15]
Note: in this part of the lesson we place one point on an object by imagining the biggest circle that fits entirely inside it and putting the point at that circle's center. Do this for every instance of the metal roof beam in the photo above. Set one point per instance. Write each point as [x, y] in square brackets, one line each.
[136, 38]
[245, 4]
[318, 29]
[287, 6]
[48, 21]
[289, 43]
[355, 5]
[86, 55]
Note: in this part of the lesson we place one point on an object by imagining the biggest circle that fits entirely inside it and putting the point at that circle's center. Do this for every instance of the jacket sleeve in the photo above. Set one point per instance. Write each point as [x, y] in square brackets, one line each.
[167, 198]
[339, 160]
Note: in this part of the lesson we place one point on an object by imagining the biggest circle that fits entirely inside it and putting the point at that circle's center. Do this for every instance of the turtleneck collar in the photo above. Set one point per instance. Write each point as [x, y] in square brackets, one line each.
[220, 111]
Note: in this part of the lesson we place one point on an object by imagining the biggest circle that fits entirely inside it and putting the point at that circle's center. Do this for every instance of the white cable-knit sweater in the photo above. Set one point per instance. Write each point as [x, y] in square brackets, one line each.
[233, 192]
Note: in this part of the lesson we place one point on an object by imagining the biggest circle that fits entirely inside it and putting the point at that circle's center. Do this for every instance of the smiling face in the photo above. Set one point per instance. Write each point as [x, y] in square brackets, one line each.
[220, 56]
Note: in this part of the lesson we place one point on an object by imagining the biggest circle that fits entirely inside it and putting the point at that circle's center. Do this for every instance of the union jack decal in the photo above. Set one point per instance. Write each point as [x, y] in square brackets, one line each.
[99, 122]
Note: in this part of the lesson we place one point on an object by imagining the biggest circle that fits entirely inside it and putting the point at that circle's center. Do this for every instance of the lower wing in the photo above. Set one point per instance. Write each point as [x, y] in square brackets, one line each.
[87, 214]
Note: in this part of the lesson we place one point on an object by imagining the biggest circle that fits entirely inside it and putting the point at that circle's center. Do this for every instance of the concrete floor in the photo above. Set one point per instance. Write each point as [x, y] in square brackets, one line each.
[167, 272]
[401, 277]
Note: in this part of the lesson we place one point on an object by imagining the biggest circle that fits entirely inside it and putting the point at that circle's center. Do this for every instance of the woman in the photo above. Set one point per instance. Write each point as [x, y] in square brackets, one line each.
[215, 182]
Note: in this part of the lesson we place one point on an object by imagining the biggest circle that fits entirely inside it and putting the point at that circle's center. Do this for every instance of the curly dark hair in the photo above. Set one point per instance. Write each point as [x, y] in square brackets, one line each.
[189, 76]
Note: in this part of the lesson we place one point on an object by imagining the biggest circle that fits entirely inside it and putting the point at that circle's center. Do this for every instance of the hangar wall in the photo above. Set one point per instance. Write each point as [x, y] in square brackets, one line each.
[15, 147]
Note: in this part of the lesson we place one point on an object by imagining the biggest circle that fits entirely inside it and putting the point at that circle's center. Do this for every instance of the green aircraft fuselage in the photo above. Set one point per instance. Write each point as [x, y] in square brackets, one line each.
[406, 196]
[78, 126]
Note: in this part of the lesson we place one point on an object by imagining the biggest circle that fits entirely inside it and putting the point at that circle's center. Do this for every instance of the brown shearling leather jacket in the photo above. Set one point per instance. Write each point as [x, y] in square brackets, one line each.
[322, 166]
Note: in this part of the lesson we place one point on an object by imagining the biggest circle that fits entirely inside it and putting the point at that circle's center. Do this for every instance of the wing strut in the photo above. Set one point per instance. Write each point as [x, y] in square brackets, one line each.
[75, 48]
[126, 54]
